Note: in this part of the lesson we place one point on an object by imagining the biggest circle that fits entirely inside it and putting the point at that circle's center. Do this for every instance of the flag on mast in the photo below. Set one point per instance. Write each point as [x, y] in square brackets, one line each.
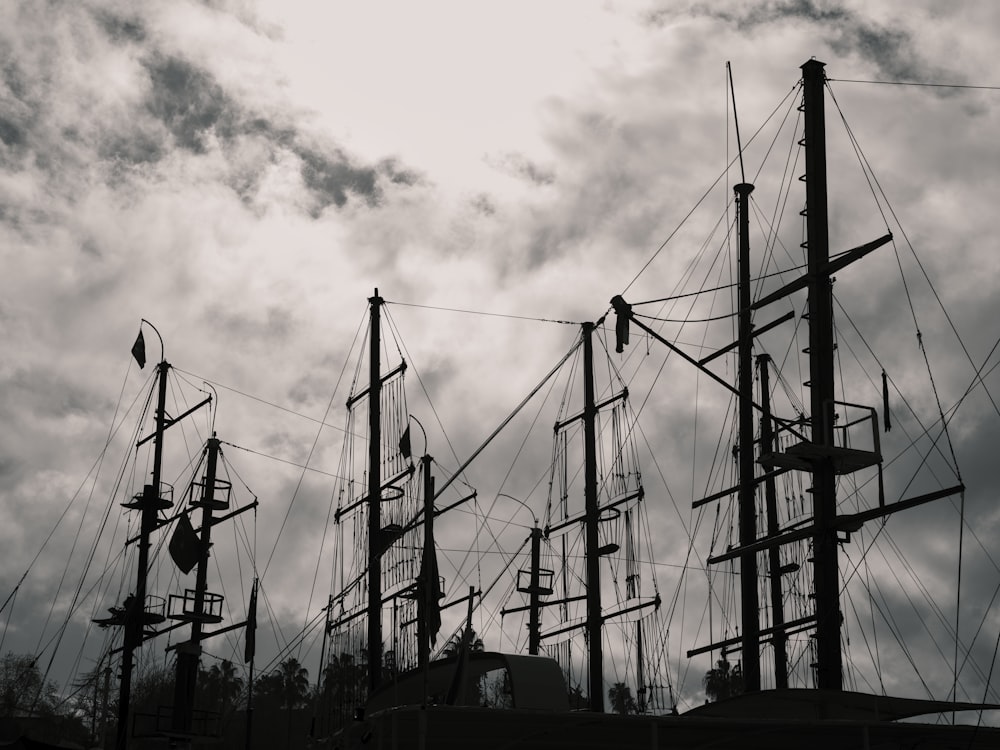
[139, 350]
[185, 546]
[251, 639]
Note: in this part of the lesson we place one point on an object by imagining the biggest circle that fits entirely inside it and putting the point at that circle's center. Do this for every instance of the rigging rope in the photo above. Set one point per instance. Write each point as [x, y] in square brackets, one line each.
[483, 313]
[312, 450]
[917, 83]
[702, 198]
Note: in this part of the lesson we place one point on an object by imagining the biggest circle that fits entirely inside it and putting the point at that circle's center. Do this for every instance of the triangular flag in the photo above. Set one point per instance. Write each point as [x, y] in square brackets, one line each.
[185, 546]
[251, 634]
[139, 350]
[404, 443]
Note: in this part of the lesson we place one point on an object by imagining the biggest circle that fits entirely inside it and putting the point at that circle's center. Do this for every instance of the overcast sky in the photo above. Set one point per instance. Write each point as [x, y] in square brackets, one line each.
[244, 174]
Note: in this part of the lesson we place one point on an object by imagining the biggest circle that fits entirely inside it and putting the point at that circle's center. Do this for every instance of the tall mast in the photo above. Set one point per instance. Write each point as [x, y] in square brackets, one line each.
[188, 654]
[779, 639]
[747, 486]
[594, 619]
[148, 504]
[640, 669]
[826, 577]
[374, 497]
[427, 592]
[534, 585]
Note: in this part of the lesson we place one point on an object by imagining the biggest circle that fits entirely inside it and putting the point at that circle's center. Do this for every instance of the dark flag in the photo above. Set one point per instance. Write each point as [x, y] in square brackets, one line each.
[404, 443]
[886, 417]
[185, 546]
[251, 640]
[623, 310]
[430, 590]
[139, 350]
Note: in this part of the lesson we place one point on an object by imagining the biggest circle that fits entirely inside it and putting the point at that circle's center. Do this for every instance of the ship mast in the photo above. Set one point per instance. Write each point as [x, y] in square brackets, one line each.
[818, 453]
[594, 618]
[775, 572]
[188, 654]
[148, 503]
[374, 497]
[826, 574]
[747, 494]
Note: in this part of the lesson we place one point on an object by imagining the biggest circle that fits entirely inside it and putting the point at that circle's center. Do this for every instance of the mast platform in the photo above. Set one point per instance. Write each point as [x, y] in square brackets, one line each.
[805, 456]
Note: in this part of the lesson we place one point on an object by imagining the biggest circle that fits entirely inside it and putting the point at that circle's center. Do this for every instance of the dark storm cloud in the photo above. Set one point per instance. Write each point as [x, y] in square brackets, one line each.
[190, 103]
[399, 174]
[892, 50]
[196, 110]
[183, 107]
[120, 28]
[331, 178]
[18, 114]
[11, 133]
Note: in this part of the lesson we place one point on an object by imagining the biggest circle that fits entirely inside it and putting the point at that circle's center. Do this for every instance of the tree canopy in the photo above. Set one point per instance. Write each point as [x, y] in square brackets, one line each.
[723, 680]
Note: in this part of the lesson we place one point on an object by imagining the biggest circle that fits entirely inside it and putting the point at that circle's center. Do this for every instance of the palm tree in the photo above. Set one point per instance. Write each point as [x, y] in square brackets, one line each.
[223, 686]
[454, 644]
[294, 681]
[577, 700]
[462, 644]
[723, 682]
[621, 699]
[343, 687]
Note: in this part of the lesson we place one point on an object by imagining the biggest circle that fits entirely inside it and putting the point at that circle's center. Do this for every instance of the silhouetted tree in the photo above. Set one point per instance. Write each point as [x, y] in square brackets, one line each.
[292, 683]
[621, 699]
[222, 686]
[454, 644]
[23, 691]
[723, 681]
[341, 691]
[577, 700]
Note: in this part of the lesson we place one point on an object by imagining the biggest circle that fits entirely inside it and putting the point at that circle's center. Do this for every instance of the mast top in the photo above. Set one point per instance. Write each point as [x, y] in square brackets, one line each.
[813, 67]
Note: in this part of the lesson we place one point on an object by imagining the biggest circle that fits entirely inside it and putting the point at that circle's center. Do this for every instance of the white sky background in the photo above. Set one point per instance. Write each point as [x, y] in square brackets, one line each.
[244, 174]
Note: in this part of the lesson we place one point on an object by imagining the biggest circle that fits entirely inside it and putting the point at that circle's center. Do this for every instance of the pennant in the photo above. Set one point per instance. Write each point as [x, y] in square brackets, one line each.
[886, 417]
[185, 546]
[139, 350]
[251, 634]
[404, 443]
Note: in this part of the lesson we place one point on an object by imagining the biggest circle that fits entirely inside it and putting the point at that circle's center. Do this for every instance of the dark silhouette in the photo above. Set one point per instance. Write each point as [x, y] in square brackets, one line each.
[577, 700]
[723, 681]
[222, 686]
[621, 699]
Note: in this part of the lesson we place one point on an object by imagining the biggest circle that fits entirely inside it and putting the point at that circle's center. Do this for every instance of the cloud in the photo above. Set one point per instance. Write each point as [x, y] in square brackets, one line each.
[519, 165]
[890, 46]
